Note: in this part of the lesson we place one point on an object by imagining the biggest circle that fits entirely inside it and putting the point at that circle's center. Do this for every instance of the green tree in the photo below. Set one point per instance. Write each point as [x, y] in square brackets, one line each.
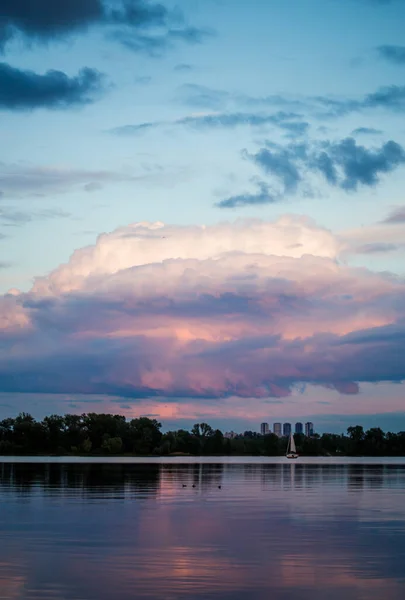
[374, 442]
[145, 435]
[112, 445]
[356, 435]
[271, 445]
[75, 432]
[202, 430]
[86, 446]
[214, 443]
[28, 435]
[54, 427]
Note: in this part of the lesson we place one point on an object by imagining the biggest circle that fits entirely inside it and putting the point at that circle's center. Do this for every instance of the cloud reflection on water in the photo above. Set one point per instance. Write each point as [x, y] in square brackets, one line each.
[88, 532]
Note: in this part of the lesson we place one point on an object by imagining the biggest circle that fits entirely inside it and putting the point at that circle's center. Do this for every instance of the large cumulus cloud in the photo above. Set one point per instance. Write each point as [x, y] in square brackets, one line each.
[249, 309]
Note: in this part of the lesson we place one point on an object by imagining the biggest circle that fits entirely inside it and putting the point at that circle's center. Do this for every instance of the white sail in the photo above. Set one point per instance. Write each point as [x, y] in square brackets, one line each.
[293, 449]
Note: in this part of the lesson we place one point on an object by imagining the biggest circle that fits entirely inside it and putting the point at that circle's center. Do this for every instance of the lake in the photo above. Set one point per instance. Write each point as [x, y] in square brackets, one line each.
[88, 529]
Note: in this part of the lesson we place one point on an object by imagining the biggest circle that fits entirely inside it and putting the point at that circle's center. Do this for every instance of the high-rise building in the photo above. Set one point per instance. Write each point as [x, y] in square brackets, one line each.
[299, 428]
[287, 429]
[277, 429]
[309, 429]
[264, 428]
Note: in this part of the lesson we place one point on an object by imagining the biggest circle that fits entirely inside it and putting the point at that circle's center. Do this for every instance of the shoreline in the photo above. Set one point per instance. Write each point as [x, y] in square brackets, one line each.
[193, 460]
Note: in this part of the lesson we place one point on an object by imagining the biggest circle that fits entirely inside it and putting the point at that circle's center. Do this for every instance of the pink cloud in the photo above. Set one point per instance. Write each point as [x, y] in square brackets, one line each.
[248, 310]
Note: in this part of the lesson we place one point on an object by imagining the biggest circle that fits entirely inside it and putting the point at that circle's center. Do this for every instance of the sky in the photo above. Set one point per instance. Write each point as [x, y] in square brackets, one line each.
[202, 214]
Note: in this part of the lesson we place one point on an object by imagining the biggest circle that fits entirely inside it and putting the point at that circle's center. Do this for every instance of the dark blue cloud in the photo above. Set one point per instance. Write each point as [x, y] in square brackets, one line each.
[201, 96]
[390, 97]
[295, 128]
[231, 120]
[156, 44]
[26, 90]
[325, 164]
[262, 196]
[344, 164]
[393, 54]
[366, 131]
[135, 129]
[183, 68]
[47, 20]
[362, 166]
[288, 121]
[282, 163]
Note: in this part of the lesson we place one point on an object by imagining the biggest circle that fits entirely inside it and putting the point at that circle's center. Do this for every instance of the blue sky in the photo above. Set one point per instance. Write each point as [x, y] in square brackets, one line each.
[195, 113]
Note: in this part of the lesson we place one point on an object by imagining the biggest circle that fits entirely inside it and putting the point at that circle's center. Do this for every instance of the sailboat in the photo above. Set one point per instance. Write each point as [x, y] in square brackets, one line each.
[291, 449]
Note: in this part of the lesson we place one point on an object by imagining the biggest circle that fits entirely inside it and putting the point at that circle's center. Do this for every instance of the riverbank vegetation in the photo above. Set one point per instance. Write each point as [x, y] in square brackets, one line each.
[105, 434]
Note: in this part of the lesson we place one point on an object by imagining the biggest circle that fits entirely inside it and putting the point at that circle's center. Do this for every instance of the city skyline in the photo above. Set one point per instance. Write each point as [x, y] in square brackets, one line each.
[201, 210]
[286, 428]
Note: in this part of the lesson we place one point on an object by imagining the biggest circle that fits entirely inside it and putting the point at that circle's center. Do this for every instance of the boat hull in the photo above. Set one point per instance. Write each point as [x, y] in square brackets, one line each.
[292, 456]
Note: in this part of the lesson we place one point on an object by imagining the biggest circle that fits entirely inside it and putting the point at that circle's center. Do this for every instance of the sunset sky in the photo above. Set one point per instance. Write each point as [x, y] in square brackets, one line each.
[202, 210]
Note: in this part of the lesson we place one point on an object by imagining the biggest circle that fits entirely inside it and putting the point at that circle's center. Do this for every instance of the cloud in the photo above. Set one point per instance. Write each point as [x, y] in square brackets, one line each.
[262, 196]
[138, 24]
[343, 164]
[232, 120]
[5, 265]
[380, 2]
[22, 180]
[155, 45]
[377, 248]
[396, 216]
[146, 243]
[45, 20]
[366, 131]
[386, 235]
[249, 309]
[201, 96]
[143, 80]
[359, 165]
[281, 163]
[26, 90]
[11, 217]
[393, 54]
[289, 122]
[183, 68]
[391, 98]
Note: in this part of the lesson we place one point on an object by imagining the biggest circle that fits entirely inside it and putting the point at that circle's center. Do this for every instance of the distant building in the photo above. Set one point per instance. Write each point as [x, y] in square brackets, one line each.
[277, 429]
[287, 429]
[299, 428]
[264, 428]
[309, 429]
[230, 435]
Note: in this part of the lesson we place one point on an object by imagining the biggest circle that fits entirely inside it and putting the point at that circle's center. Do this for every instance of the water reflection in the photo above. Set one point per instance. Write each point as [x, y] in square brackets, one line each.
[168, 531]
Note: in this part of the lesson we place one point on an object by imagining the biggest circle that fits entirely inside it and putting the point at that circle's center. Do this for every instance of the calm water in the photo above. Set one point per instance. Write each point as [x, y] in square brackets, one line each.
[306, 530]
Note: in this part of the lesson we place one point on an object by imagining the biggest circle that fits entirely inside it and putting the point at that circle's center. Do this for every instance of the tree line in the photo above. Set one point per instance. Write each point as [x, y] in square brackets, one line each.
[106, 434]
